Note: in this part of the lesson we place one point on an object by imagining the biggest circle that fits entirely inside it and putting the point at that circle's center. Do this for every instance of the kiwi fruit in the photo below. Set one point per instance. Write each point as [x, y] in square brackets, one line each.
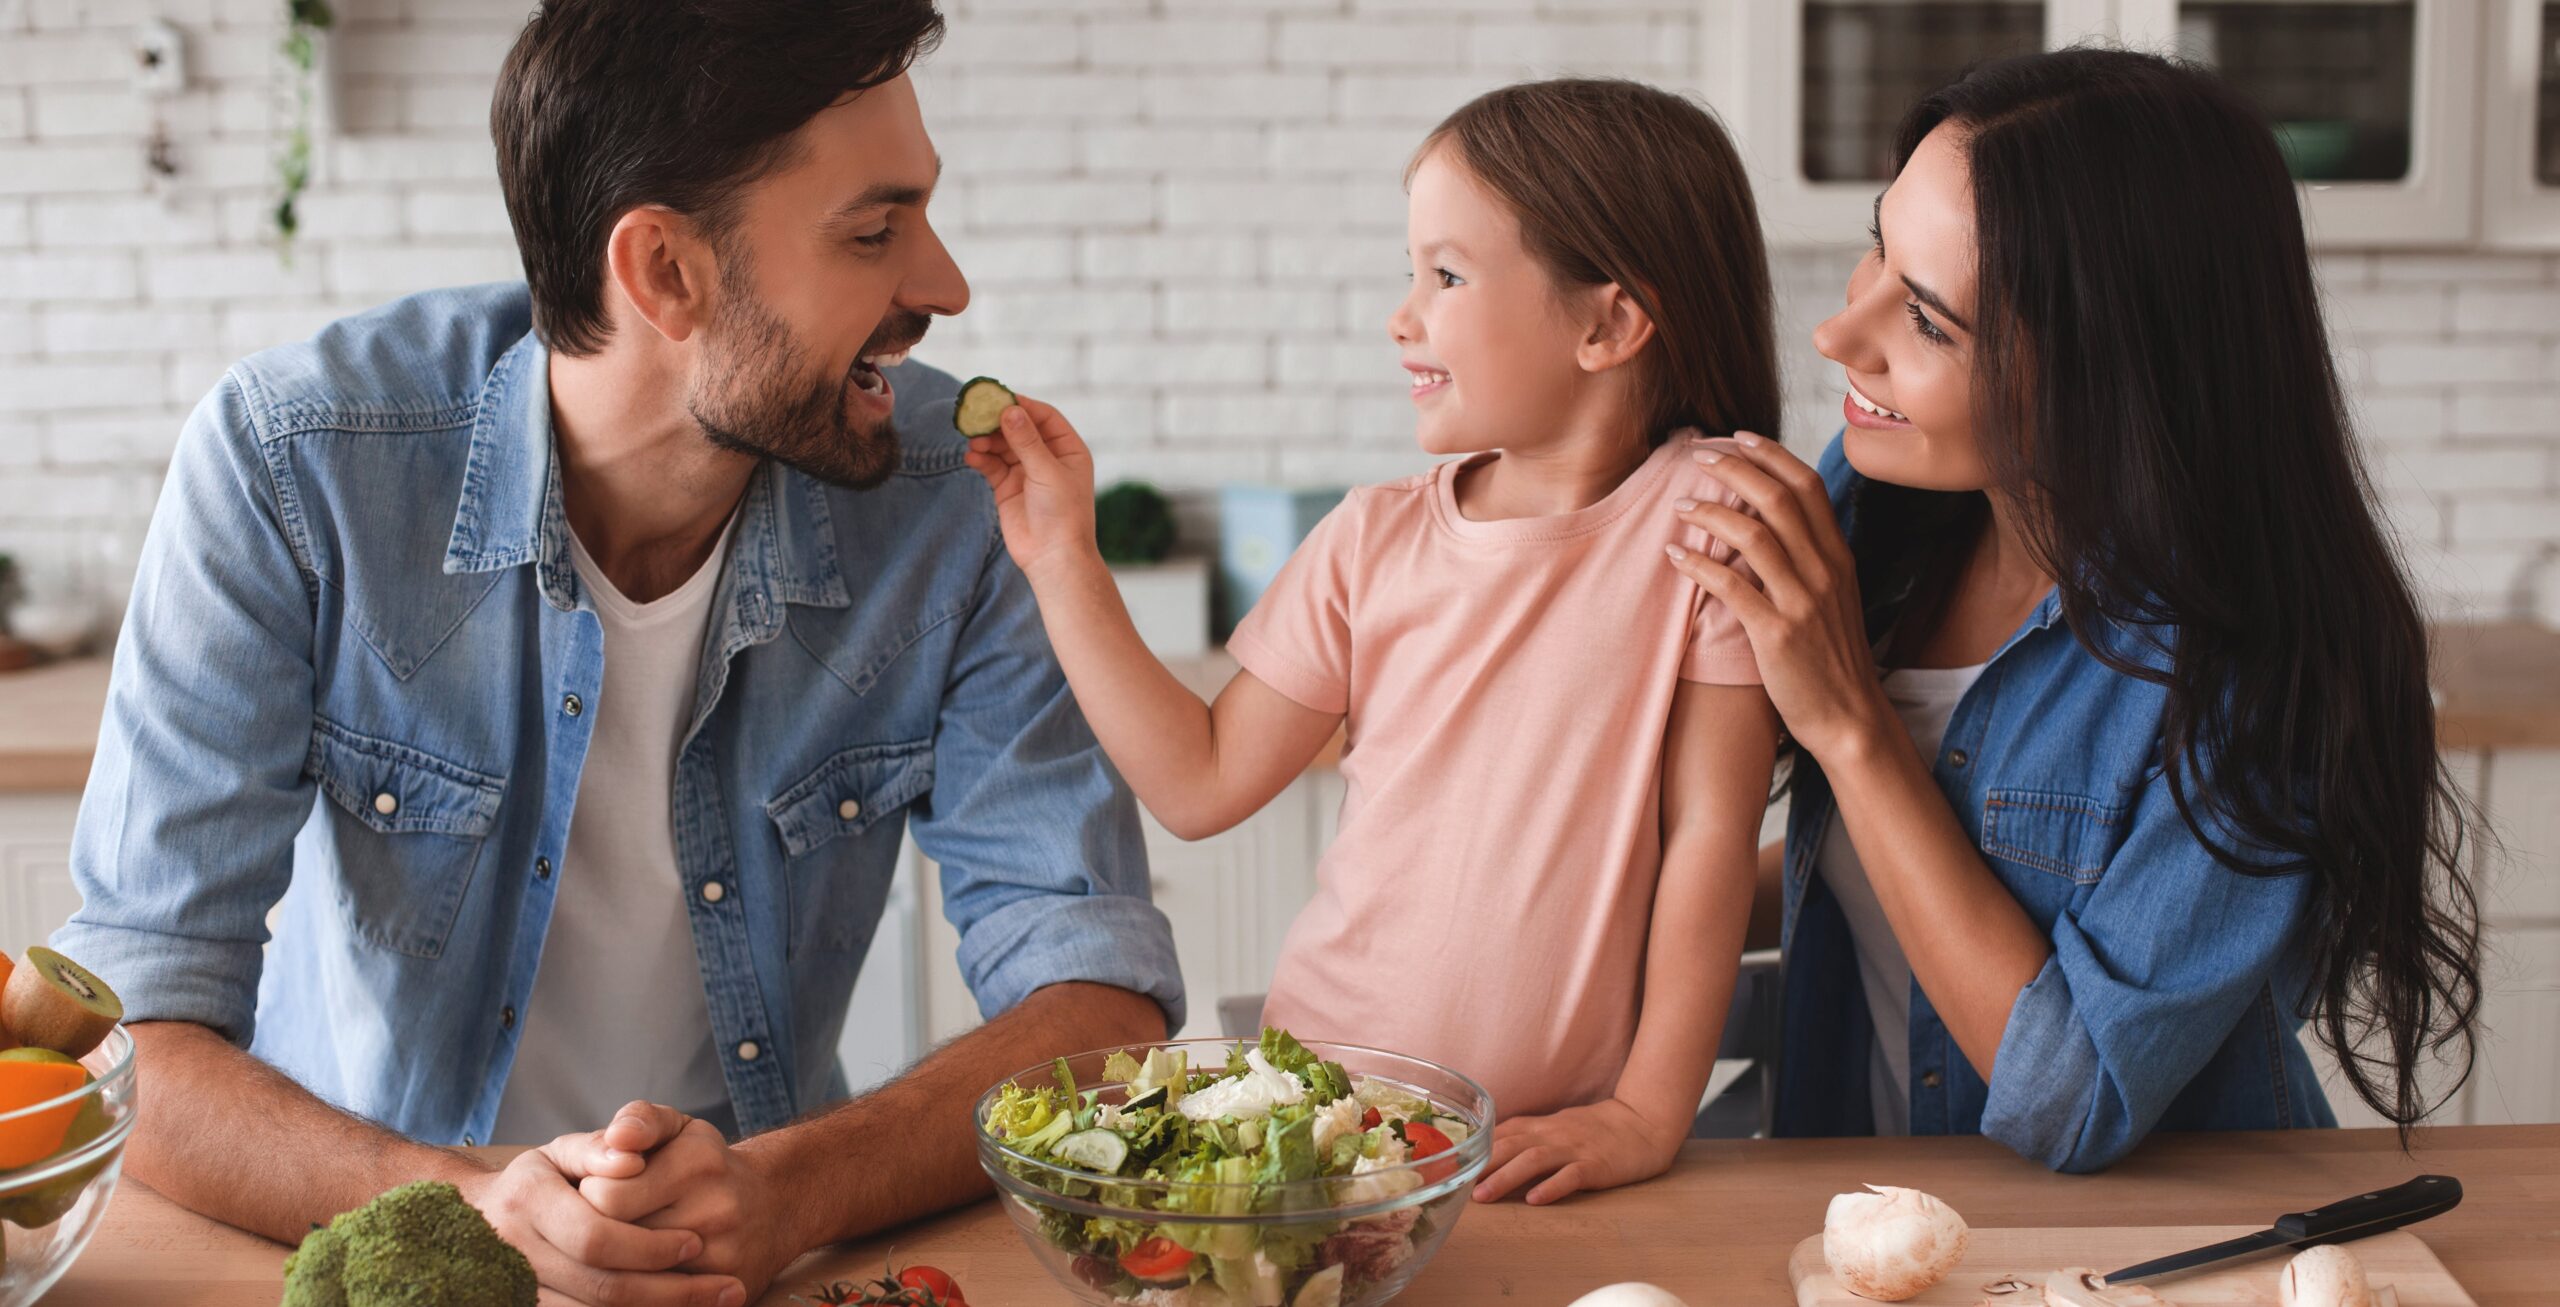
[53, 1002]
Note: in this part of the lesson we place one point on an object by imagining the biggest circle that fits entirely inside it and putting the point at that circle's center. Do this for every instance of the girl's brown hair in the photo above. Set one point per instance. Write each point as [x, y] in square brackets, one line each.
[1617, 182]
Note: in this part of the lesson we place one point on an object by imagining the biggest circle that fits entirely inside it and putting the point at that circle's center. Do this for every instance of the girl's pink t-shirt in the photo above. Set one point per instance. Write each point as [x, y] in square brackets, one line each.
[1507, 686]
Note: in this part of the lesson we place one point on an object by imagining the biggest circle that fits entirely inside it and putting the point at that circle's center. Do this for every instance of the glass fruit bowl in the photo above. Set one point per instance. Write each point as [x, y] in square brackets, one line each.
[49, 1207]
[1333, 1241]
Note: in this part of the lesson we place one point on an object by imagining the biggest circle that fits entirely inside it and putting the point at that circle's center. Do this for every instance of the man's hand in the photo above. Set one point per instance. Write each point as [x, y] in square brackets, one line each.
[582, 1255]
[696, 1185]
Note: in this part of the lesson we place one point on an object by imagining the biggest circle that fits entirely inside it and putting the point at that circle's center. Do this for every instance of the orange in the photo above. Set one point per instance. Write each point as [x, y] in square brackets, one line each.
[25, 1140]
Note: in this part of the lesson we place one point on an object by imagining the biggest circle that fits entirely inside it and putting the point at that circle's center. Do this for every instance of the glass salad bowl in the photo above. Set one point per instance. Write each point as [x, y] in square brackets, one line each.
[50, 1207]
[1183, 1176]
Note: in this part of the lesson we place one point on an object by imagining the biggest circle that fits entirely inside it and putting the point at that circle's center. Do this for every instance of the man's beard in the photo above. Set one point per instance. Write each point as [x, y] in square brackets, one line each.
[759, 398]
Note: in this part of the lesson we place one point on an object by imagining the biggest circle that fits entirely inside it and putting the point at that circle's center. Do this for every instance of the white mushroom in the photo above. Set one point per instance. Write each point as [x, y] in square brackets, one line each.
[2326, 1276]
[1628, 1295]
[1889, 1244]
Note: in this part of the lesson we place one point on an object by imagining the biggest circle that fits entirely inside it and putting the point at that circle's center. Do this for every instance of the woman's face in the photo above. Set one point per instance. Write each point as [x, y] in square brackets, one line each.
[1906, 335]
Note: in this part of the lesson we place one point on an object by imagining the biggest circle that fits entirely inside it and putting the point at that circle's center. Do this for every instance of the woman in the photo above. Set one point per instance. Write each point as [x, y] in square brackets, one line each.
[2152, 778]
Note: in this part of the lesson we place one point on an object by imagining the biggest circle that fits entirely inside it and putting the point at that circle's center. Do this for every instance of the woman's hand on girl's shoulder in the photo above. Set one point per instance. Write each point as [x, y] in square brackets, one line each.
[1601, 1146]
[1042, 474]
[1798, 601]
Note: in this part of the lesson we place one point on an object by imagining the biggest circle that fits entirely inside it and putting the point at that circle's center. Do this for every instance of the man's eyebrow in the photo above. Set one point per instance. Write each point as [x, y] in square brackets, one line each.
[885, 195]
[1930, 298]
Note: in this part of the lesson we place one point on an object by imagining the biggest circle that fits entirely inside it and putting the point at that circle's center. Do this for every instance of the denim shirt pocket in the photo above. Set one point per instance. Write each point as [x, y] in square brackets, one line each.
[407, 828]
[2064, 835]
[827, 822]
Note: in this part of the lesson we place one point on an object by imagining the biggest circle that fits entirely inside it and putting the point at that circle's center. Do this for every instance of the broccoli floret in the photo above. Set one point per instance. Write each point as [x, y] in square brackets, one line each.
[419, 1245]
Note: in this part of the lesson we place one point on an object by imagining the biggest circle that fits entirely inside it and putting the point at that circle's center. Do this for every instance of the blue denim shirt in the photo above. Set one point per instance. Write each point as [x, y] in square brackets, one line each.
[2168, 1002]
[351, 688]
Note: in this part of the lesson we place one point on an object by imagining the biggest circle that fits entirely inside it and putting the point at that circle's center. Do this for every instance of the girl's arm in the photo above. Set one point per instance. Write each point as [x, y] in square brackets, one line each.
[1721, 745]
[1199, 768]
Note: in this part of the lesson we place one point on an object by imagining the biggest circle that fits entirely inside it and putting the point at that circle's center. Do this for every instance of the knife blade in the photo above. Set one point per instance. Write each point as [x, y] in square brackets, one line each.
[2350, 1218]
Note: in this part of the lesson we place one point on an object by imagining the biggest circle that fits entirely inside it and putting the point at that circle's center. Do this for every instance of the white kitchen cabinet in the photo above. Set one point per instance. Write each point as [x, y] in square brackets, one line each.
[2520, 125]
[1814, 89]
[1230, 899]
[2374, 99]
[2373, 102]
[36, 893]
[2518, 1079]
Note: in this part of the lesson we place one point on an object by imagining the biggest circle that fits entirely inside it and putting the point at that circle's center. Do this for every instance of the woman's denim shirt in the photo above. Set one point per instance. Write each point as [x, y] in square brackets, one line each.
[2169, 1001]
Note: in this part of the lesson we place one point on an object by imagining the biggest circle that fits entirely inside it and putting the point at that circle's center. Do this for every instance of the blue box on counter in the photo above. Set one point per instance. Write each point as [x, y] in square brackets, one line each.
[1258, 528]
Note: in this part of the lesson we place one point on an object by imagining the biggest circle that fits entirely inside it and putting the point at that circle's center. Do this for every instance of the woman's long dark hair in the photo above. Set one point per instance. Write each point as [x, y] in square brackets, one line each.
[2152, 382]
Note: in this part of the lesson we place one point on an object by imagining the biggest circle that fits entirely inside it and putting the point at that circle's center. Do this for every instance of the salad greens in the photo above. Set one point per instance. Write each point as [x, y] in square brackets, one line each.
[1275, 1131]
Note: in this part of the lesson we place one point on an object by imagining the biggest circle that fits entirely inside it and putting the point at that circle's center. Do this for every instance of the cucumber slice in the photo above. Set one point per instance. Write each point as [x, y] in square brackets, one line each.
[1099, 1151]
[1155, 1097]
[982, 401]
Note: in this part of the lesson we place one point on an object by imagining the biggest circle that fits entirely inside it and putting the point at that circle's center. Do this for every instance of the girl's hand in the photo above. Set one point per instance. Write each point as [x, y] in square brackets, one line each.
[1042, 475]
[1802, 612]
[1600, 1146]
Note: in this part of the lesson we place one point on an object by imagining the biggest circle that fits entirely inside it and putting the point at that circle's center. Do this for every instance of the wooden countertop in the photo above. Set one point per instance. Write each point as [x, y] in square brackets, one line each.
[1717, 1229]
[49, 725]
[2498, 687]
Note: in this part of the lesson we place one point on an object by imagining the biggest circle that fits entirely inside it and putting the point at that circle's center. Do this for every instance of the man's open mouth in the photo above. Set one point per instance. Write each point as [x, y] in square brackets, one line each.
[868, 368]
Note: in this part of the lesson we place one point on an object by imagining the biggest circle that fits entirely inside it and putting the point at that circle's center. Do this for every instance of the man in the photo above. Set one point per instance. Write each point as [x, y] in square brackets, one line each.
[562, 662]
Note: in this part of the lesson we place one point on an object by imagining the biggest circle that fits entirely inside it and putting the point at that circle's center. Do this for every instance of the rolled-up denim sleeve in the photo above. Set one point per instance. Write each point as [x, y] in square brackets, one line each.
[2146, 982]
[186, 829]
[1044, 870]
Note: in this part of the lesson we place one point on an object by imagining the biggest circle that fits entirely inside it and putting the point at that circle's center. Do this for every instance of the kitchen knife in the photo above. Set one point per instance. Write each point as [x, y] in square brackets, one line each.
[2350, 1218]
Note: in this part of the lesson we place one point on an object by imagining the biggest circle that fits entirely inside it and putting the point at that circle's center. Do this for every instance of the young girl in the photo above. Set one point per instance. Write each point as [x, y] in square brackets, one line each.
[1556, 759]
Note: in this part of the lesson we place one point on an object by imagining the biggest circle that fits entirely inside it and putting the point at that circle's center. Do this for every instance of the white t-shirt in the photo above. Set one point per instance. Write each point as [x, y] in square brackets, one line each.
[1925, 697]
[618, 1010]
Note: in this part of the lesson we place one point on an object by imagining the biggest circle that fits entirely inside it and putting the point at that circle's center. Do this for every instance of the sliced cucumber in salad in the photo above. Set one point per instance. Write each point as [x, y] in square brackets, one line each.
[1098, 1151]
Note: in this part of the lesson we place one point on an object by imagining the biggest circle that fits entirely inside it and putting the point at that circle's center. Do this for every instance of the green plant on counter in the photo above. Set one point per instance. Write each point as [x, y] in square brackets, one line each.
[304, 20]
[1133, 523]
[8, 589]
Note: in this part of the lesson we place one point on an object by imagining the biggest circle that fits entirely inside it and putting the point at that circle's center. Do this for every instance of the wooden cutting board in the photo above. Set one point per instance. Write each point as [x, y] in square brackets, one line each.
[2399, 1259]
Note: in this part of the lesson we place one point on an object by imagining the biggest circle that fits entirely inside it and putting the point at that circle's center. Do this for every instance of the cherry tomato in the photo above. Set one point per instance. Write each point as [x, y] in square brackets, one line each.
[1369, 1120]
[935, 1282]
[1156, 1259]
[1428, 1142]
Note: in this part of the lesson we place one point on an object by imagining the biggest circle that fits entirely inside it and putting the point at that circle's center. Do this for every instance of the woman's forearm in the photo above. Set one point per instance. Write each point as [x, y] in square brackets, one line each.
[1970, 945]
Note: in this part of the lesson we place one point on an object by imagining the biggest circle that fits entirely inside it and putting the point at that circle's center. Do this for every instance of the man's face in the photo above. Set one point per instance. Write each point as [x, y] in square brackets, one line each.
[829, 273]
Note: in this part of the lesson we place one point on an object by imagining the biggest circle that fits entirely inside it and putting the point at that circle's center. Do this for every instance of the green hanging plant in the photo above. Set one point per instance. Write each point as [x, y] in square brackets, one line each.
[304, 21]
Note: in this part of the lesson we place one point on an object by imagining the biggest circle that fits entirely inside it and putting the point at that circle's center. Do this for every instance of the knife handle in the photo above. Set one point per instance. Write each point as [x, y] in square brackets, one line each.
[2373, 1213]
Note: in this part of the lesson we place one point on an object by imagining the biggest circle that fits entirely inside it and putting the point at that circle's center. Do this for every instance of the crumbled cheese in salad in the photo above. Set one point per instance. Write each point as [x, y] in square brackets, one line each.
[1248, 1097]
[1334, 1120]
[1376, 1179]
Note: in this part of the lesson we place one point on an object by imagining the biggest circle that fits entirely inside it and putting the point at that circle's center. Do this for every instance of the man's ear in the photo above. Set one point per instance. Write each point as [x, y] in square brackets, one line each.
[663, 269]
[1619, 329]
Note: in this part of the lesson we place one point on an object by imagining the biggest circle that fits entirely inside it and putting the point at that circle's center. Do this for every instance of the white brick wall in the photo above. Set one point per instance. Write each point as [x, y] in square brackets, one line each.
[1181, 219]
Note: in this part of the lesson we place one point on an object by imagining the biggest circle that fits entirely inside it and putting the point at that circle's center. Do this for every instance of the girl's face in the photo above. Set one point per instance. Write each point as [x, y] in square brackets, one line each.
[1495, 357]
[1906, 334]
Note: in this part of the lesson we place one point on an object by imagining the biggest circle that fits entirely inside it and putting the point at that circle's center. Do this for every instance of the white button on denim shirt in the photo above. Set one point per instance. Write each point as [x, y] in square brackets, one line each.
[353, 682]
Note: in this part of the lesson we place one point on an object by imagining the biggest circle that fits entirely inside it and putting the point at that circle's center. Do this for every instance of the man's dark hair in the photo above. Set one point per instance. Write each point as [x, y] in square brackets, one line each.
[605, 105]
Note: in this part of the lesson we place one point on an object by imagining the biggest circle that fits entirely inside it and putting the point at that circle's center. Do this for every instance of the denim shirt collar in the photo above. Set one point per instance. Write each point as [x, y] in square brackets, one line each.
[511, 511]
